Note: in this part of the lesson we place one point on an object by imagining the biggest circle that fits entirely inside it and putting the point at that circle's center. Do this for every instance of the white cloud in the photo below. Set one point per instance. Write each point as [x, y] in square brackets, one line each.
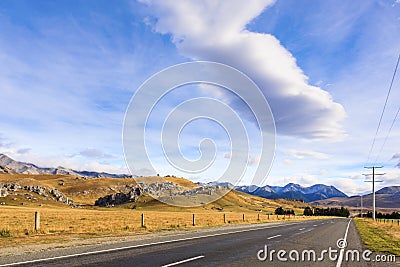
[301, 154]
[207, 30]
[287, 162]
[350, 186]
[396, 156]
[23, 150]
[93, 153]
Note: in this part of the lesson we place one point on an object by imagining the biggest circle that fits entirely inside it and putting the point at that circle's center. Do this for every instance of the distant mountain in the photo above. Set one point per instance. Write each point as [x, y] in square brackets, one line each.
[293, 191]
[8, 165]
[386, 198]
[389, 190]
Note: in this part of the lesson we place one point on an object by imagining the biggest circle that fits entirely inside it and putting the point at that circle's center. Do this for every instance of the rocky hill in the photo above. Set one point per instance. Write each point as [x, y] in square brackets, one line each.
[67, 190]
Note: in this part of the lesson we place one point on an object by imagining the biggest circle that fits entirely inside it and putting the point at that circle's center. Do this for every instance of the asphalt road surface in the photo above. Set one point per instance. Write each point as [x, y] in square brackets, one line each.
[332, 242]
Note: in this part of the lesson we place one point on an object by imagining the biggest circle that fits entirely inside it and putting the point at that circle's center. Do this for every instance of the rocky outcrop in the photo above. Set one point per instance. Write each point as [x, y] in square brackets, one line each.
[54, 193]
[130, 194]
[3, 192]
[5, 188]
[60, 197]
[161, 189]
[37, 189]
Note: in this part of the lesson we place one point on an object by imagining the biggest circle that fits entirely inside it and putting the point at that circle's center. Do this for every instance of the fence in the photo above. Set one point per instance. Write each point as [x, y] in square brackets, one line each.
[104, 222]
[392, 221]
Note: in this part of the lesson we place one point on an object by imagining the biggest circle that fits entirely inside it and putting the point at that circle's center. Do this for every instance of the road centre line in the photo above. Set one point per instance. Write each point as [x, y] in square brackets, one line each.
[183, 261]
[271, 237]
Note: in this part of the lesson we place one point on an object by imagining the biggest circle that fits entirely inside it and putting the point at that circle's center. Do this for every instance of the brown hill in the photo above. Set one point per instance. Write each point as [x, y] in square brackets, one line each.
[383, 201]
[85, 191]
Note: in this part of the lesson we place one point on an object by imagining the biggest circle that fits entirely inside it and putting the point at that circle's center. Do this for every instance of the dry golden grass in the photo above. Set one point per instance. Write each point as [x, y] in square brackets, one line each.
[58, 224]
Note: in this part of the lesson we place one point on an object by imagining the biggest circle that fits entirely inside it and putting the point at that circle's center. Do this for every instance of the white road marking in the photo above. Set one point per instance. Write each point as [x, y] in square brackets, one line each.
[301, 229]
[183, 261]
[339, 263]
[314, 225]
[271, 237]
[143, 245]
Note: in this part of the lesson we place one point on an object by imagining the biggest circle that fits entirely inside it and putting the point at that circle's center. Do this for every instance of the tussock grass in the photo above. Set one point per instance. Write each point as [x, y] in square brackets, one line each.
[58, 224]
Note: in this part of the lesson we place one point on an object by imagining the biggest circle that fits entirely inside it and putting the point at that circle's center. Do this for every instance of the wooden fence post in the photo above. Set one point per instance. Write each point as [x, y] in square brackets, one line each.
[258, 217]
[243, 216]
[224, 218]
[194, 222]
[37, 220]
[142, 219]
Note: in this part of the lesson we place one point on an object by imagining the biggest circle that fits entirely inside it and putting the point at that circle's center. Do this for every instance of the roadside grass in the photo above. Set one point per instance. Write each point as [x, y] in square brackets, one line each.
[63, 224]
[379, 236]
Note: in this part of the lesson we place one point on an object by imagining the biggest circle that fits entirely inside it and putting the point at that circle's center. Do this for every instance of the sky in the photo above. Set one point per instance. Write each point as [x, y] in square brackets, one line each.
[68, 71]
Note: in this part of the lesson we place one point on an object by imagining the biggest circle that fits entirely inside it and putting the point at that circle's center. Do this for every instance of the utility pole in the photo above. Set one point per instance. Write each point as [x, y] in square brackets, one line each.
[373, 186]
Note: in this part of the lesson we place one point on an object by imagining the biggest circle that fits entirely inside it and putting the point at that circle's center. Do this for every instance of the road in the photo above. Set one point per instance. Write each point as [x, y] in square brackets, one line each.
[237, 246]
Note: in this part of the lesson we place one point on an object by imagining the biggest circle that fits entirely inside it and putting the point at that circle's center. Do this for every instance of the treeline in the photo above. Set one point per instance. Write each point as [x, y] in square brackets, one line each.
[340, 212]
[379, 215]
[281, 211]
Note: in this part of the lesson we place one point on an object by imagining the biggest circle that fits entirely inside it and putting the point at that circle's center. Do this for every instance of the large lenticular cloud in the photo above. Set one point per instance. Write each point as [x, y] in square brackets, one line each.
[216, 31]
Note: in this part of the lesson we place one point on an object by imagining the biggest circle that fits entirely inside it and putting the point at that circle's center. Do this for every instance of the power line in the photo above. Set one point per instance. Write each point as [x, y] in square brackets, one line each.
[383, 110]
[390, 129]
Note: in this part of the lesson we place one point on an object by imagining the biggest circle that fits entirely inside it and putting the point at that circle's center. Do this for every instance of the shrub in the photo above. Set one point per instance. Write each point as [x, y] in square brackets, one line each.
[6, 233]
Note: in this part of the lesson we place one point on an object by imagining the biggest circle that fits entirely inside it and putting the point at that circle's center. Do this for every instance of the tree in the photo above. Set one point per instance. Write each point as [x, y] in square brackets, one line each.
[279, 211]
[308, 211]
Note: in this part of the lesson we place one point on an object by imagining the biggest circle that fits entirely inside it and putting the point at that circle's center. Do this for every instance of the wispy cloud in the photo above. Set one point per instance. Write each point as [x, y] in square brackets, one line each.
[23, 150]
[208, 31]
[93, 153]
[301, 154]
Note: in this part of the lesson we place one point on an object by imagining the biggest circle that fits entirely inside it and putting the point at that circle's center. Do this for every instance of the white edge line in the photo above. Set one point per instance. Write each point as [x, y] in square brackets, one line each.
[271, 237]
[143, 245]
[183, 261]
[339, 262]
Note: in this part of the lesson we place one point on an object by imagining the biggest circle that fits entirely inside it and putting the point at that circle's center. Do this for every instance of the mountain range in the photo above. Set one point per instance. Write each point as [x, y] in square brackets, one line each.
[388, 197]
[294, 191]
[8, 165]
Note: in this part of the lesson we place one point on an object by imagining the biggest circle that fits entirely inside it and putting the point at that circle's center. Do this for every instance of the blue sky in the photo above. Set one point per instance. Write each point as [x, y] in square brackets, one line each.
[68, 70]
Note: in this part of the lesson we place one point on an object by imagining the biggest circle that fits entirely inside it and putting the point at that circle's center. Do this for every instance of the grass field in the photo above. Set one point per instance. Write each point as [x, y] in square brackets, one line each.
[61, 224]
[379, 236]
